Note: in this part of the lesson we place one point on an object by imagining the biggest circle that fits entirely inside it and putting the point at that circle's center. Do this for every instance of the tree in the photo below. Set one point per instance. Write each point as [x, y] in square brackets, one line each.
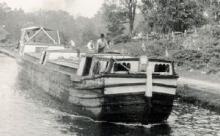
[172, 15]
[212, 10]
[130, 7]
[115, 18]
[80, 29]
[119, 14]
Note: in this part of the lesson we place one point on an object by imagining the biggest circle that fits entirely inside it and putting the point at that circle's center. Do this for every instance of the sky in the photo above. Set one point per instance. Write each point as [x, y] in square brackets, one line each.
[87, 8]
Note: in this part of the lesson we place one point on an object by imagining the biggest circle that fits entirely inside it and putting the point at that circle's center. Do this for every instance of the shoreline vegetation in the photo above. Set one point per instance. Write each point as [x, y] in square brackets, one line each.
[198, 52]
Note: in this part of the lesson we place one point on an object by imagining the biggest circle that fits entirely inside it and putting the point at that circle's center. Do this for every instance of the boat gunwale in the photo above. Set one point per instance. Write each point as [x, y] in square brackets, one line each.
[130, 75]
[126, 58]
[136, 84]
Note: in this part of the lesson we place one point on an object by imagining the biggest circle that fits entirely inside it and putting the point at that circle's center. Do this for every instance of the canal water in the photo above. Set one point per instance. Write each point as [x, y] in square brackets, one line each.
[30, 112]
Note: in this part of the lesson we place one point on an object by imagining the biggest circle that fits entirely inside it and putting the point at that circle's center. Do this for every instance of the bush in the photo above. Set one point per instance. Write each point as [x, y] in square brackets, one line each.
[191, 58]
[121, 39]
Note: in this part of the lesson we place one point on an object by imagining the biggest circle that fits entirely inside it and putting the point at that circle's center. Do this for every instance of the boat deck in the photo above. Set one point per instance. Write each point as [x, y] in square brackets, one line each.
[73, 63]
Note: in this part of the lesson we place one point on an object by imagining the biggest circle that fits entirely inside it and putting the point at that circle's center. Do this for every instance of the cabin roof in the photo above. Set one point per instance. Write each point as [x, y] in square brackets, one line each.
[62, 51]
[30, 33]
[160, 60]
[107, 56]
[36, 28]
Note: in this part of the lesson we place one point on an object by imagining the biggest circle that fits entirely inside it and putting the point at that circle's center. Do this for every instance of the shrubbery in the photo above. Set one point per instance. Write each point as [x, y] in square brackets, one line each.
[202, 51]
[190, 58]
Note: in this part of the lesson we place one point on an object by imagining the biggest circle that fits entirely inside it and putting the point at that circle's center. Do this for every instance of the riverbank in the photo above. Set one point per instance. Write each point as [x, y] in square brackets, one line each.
[193, 87]
[8, 51]
[201, 93]
[198, 75]
[200, 89]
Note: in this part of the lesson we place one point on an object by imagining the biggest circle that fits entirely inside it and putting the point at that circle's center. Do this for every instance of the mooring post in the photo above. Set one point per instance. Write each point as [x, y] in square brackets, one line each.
[148, 92]
[148, 70]
[149, 82]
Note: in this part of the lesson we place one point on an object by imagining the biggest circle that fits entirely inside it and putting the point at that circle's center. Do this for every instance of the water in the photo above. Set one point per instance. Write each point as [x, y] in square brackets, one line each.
[28, 112]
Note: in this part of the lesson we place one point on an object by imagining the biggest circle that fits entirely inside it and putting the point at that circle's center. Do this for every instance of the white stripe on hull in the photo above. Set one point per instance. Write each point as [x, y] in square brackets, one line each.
[166, 81]
[113, 81]
[125, 89]
[138, 89]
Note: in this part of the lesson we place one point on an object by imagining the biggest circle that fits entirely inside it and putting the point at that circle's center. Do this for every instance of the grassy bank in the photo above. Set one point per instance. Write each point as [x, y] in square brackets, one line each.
[198, 51]
[198, 75]
[9, 51]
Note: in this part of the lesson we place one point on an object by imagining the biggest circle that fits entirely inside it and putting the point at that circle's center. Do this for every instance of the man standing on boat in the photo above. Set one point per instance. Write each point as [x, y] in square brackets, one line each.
[101, 44]
[74, 47]
[91, 45]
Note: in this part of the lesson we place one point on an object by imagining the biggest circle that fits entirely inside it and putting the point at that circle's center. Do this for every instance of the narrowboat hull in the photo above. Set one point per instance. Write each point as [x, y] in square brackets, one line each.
[106, 98]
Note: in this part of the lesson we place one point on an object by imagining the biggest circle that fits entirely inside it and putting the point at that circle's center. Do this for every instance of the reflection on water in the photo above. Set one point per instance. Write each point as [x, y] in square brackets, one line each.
[30, 112]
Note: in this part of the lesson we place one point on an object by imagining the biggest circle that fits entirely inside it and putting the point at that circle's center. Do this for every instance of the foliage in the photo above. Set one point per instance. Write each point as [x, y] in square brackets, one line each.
[212, 10]
[130, 8]
[205, 52]
[118, 16]
[190, 58]
[172, 15]
[115, 18]
[80, 29]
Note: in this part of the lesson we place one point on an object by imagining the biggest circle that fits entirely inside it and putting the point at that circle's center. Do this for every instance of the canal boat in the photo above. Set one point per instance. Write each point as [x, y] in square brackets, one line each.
[108, 86]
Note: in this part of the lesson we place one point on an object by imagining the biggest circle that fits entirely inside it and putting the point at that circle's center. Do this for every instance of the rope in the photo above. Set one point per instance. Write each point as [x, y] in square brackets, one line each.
[121, 64]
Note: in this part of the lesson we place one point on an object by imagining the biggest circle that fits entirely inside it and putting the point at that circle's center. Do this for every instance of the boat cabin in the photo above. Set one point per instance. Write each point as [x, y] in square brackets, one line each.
[118, 64]
[38, 39]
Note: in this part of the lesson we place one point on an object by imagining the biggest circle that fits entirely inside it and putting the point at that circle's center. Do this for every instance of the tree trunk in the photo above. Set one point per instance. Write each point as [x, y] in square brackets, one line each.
[131, 14]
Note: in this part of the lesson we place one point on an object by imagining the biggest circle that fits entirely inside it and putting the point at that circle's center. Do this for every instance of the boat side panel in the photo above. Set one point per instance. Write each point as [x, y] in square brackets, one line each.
[139, 89]
[59, 85]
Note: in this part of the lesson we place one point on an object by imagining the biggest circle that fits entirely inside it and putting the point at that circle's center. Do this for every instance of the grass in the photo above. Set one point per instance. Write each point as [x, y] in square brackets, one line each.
[198, 75]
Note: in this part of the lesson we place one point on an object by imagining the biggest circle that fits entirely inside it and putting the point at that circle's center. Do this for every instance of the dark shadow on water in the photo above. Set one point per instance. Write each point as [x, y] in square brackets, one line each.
[86, 127]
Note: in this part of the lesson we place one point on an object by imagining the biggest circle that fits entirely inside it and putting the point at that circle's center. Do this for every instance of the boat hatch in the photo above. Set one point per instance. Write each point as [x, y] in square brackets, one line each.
[84, 66]
[162, 68]
[121, 67]
[100, 66]
[125, 66]
[87, 66]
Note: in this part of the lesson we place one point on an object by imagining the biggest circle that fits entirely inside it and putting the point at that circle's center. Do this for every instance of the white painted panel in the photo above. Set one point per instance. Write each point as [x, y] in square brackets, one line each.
[32, 48]
[29, 49]
[125, 89]
[164, 90]
[134, 66]
[110, 81]
[166, 81]
[81, 66]
[138, 89]
[55, 48]
[56, 55]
